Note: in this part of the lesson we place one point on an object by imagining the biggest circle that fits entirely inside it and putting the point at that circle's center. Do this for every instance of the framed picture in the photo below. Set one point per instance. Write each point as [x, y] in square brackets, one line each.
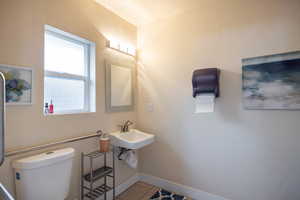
[18, 83]
[272, 82]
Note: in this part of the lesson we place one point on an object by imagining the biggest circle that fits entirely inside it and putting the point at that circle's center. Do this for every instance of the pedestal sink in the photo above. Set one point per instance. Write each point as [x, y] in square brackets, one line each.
[133, 139]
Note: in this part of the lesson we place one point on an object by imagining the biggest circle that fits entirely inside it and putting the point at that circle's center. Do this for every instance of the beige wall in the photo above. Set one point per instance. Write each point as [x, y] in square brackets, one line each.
[235, 153]
[21, 44]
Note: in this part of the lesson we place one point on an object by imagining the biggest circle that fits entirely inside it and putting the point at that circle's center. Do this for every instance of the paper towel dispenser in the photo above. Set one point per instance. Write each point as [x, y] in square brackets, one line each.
[206, 81]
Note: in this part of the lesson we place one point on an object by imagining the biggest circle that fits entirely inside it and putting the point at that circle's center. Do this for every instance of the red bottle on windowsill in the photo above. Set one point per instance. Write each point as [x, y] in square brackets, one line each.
[51, 107]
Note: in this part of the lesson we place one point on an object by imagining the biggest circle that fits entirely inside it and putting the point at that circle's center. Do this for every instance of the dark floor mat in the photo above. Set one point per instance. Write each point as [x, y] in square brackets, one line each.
[162, 194]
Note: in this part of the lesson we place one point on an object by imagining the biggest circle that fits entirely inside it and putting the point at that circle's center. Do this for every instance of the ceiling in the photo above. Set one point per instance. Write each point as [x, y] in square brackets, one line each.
[140, 12]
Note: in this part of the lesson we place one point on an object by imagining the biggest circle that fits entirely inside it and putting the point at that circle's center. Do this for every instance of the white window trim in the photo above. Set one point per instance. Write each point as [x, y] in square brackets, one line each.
[89, 74]
[65, 75]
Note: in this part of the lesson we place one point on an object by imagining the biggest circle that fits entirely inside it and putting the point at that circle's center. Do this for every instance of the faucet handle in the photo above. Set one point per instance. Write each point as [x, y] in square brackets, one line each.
[128, 123]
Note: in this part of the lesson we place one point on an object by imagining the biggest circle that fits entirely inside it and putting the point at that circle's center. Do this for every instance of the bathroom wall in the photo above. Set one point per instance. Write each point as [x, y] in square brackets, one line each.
[235, 153]
[21, 43]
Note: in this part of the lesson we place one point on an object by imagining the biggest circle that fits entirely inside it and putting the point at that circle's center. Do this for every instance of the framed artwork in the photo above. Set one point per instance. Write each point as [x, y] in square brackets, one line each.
[272, 82]
[18, 84]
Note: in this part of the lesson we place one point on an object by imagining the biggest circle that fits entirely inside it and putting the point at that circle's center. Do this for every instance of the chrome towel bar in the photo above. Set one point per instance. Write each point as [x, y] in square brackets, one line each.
[4, 194]
[44, 146]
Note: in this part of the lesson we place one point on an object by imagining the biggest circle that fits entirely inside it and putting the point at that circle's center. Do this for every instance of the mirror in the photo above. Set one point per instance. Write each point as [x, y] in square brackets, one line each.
[119, 87]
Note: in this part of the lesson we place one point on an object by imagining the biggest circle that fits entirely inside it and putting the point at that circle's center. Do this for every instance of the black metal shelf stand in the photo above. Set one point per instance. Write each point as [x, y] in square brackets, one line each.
[91, 191]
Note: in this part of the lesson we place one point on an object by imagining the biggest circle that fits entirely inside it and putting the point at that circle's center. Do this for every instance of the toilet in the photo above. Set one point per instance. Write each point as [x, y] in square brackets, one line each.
[44, 176]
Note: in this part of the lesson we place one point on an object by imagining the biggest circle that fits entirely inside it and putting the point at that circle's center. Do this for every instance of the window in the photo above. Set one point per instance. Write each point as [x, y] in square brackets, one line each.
[69, 81]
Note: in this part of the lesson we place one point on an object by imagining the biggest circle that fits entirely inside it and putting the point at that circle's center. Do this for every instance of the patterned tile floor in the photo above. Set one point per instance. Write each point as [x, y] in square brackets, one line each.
[138, 191]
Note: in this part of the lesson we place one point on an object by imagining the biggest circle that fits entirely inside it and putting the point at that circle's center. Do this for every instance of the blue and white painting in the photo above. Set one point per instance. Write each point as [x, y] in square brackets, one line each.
[18, 84]
[272, 82]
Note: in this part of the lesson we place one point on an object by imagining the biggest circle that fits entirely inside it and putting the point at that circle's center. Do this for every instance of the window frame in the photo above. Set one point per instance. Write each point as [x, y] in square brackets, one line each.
[89, 70]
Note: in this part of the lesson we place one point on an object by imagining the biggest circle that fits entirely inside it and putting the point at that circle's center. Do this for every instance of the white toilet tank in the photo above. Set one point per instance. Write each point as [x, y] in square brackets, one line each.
[45, 176]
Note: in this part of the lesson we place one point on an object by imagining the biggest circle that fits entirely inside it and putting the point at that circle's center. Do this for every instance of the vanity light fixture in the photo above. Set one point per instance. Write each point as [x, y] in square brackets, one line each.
[123, 48]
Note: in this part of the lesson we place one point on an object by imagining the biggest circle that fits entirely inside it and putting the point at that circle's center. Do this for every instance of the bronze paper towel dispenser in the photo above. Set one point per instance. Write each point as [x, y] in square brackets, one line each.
[206, 81]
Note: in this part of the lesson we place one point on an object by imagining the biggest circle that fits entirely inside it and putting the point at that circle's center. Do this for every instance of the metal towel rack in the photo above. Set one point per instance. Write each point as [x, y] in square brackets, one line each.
[4, 194]
[43, 146]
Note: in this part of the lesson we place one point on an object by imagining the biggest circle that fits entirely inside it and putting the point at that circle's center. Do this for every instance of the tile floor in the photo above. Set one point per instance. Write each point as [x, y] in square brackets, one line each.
[138, 191]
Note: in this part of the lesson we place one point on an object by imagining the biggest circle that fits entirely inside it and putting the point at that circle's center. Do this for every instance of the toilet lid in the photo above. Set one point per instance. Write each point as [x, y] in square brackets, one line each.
[44, 159]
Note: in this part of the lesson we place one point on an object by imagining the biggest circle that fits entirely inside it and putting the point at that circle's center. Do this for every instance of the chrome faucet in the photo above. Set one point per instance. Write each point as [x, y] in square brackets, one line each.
[125, 127]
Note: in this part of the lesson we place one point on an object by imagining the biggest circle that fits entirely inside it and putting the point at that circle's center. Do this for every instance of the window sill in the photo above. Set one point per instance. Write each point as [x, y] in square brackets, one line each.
[69, 113]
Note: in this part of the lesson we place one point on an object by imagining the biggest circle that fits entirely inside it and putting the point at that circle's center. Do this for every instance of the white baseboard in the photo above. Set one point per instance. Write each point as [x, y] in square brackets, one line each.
[123, 186]
[180, 189]
[168, 185]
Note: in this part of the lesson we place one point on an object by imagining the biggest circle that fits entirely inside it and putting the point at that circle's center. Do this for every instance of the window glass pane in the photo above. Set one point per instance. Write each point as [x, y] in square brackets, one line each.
[63, 56]
[66, 94]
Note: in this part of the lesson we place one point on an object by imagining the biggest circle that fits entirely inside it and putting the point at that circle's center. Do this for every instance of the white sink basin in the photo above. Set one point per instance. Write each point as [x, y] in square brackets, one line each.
[133, 139]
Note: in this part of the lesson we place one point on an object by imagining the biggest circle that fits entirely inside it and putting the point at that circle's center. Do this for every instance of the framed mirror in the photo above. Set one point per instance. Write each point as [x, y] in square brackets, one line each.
[119, 87]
